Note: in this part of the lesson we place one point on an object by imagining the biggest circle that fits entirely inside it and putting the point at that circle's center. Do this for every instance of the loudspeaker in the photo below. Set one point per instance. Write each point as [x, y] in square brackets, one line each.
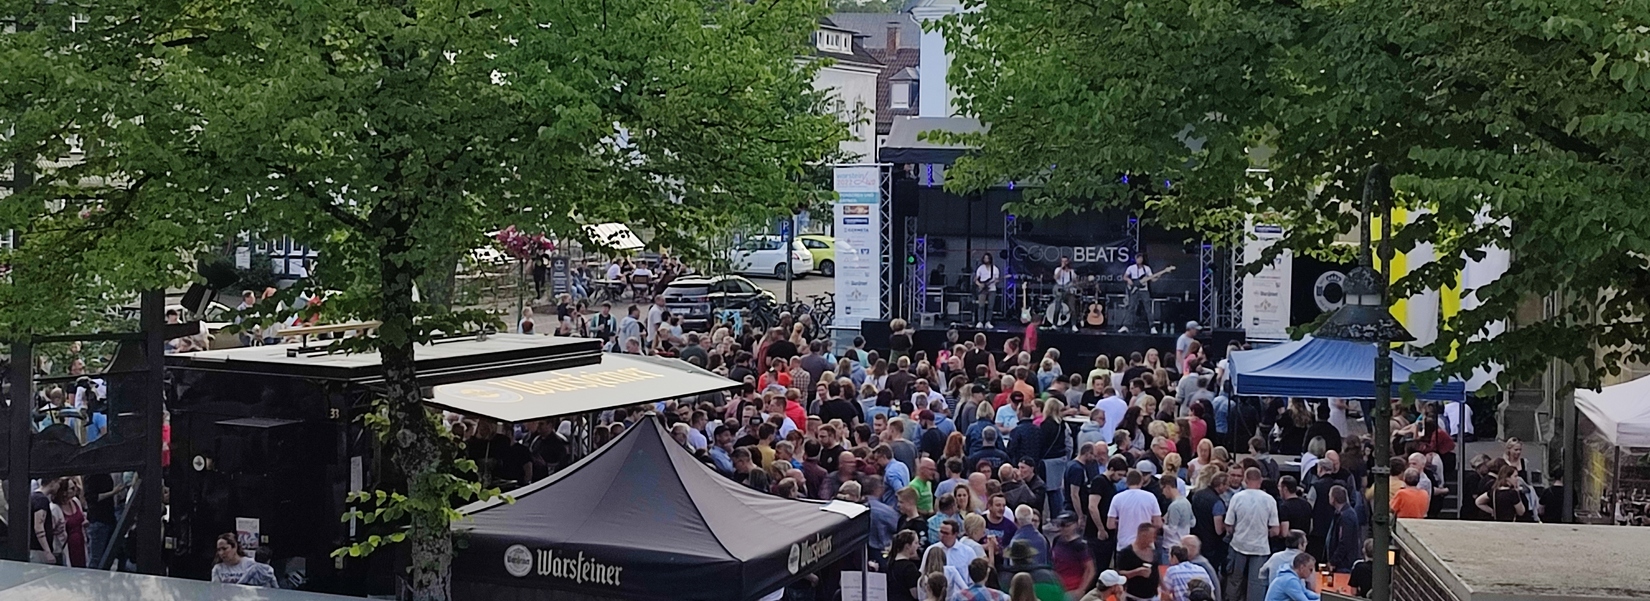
[197, 298]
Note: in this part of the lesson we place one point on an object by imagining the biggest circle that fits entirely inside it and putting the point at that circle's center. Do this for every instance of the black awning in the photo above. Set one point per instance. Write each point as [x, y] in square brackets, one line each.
[905, 143]
[642, 519]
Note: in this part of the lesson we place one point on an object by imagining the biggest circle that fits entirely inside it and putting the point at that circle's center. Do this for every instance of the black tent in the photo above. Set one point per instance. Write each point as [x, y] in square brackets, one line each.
[642, 519]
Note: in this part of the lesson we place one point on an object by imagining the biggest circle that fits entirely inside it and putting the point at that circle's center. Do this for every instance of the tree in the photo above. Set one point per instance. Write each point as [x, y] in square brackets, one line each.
[1521, 125]
[390, 133]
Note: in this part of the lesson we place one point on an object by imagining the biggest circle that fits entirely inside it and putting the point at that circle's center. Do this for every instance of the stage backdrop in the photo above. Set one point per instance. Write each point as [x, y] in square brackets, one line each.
[1038, 256]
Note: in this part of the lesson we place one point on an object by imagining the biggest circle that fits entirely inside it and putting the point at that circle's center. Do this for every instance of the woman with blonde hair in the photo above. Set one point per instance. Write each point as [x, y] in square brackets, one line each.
[1205, 454]
[1171, 467]
[899, 341]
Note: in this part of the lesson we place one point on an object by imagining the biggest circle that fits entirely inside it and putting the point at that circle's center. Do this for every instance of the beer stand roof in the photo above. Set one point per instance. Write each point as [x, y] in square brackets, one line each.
[642, 519]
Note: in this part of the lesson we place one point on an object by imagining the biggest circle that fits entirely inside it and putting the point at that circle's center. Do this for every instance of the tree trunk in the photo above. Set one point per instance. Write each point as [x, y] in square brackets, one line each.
[414, 447]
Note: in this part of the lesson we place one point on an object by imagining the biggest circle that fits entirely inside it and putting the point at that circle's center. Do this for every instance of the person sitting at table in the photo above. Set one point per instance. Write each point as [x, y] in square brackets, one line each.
[615, 270]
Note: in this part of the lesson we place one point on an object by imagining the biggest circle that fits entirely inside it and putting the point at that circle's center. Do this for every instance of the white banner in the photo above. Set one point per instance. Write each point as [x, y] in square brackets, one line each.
[858, 245]
[1266, 293]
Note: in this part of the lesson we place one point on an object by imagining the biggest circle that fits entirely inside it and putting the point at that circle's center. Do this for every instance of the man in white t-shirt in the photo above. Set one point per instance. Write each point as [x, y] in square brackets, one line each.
[1252, 518]
[614, 270]
[1064, 279]
[986, 279]
[655, 315]
[1137, 313]
[1452, 416]
[1131, 508]
[1114, 407]
[1139, 270]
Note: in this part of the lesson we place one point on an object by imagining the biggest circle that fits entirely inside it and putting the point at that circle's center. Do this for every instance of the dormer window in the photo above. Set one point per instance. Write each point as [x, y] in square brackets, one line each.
[840, 42]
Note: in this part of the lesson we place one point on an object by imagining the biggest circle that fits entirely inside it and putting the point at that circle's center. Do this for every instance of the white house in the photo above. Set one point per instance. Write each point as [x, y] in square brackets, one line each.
[851, 79]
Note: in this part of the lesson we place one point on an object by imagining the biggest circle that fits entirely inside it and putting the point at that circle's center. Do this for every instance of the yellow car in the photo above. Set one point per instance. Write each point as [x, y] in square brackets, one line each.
[823, 248]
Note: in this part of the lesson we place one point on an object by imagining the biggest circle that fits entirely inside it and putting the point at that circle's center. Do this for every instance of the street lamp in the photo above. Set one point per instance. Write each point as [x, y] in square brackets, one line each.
[1365, 318]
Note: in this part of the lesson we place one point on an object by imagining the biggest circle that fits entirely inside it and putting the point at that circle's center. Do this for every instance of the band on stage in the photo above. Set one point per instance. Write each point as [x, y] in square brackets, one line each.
[1067, 300]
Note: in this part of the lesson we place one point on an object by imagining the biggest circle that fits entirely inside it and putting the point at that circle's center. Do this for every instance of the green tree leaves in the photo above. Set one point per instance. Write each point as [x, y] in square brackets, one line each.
[1525, 113]
[390, 135]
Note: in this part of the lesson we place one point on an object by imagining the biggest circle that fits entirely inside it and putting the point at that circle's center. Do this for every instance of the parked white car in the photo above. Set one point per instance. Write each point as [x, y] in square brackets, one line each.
[762, 255]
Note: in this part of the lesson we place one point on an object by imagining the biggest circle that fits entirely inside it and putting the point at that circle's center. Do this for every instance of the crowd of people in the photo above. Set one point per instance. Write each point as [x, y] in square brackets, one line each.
[991, 473]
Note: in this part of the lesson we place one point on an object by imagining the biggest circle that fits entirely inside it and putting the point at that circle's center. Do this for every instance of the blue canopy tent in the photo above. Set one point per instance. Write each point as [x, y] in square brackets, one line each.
[1322, 368]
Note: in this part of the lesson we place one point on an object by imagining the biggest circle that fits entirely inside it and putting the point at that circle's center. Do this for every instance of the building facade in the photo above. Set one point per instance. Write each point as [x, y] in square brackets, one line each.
[850, 77]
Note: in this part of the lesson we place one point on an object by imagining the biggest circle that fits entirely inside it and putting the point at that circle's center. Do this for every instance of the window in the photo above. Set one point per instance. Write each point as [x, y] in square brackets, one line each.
[899, 95]
[742, 286]
[834, 41]
[811, 243]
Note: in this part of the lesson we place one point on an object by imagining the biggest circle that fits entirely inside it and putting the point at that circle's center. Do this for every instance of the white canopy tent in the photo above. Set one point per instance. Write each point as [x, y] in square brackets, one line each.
[614, 237]
[1612, 445]
[1621, 412]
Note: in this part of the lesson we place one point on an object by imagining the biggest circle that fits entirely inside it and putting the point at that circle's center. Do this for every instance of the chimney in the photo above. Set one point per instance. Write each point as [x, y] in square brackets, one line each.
[893, 39]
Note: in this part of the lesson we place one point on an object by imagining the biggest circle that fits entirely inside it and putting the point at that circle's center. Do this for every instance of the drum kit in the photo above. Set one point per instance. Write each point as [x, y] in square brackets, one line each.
[1085, 304]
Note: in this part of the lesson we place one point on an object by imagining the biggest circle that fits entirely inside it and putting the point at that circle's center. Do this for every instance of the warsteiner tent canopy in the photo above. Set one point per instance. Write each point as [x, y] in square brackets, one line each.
[1323, 368]
[1621, 412]
[642, 519]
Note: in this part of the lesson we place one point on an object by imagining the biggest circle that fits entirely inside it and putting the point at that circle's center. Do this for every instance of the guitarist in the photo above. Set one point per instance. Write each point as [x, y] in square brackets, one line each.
[986, 278]
[1139, 300]
[1065, 279]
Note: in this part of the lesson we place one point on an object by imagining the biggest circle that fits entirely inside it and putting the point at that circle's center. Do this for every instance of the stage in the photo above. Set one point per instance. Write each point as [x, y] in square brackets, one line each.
[1077, 349]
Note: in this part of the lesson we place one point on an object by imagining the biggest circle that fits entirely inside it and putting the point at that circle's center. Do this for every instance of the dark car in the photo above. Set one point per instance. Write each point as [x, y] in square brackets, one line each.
[698, 298]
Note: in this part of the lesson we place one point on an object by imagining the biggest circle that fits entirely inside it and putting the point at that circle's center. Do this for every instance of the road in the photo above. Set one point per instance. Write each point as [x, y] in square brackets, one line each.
[802, 289]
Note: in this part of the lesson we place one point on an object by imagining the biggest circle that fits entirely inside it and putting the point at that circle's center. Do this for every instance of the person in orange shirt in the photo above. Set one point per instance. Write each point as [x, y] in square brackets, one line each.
[1410, 501]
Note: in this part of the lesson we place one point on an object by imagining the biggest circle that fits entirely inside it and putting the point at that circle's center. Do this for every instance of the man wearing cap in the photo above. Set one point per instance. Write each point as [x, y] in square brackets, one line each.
[1110, 586]
[1071, 558]
[1021, 558]
[1184, 342]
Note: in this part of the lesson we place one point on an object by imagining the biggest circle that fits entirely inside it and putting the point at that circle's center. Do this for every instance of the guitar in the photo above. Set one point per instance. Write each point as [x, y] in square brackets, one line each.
[1140, 284]
[1096, 316]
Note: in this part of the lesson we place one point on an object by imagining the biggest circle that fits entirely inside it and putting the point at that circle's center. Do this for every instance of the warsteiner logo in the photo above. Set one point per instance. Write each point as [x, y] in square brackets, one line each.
[518, 561]
[803, 555]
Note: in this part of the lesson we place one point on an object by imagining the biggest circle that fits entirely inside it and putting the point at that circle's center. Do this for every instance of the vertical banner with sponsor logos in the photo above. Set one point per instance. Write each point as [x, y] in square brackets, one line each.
[1266, 292]
[858, 244]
